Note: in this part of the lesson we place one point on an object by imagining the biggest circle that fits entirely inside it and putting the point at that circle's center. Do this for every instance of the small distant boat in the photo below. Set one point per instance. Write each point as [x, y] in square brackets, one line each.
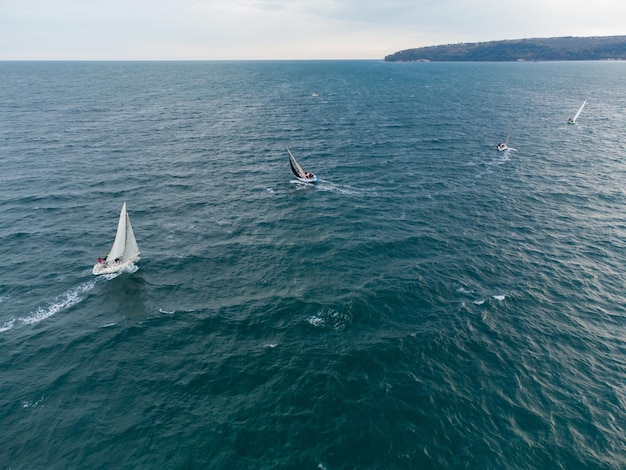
[124, 250]
[573, 120]
[502, 146]
[301, 175]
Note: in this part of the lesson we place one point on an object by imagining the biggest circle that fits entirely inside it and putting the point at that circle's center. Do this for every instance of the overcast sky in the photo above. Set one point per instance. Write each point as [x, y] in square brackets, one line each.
[283, 29]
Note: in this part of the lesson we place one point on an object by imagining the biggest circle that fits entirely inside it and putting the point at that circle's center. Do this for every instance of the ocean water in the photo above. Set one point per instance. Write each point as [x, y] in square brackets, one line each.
[430, 303]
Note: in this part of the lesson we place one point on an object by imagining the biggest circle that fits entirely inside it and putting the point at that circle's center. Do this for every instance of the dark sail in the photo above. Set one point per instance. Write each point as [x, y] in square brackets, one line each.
[294, 169]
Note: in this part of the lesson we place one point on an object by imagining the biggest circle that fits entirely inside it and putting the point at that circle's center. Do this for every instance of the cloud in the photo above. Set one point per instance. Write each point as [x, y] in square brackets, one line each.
[282, 29]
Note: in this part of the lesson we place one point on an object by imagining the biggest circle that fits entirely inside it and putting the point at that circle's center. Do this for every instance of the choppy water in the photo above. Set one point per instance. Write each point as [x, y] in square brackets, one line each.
[430, 303]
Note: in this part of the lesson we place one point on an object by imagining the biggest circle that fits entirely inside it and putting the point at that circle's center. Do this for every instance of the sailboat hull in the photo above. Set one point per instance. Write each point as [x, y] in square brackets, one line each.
[113, 267]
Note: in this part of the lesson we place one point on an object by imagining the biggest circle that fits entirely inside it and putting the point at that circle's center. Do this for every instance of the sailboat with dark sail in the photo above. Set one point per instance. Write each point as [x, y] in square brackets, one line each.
[300, 174]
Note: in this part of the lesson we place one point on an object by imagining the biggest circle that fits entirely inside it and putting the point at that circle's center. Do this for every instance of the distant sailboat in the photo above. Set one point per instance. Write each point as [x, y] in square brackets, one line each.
[124, 250]
[301, 175]
[573, 121]
[502, 146]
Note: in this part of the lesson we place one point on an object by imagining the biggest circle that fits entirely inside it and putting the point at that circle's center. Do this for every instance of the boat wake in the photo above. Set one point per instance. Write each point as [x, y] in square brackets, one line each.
[325, 185]
[502, 158]
[62, 302]
[302, 184]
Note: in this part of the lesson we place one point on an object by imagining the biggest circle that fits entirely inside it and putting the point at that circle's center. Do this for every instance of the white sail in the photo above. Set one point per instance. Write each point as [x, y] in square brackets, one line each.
[132, 249]
[124, 250]
[579, 111]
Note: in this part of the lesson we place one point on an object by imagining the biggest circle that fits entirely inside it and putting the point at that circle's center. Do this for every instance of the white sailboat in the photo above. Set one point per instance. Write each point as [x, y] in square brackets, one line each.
[502, 146]
[301, 175]
[573, 121]
[124, 250]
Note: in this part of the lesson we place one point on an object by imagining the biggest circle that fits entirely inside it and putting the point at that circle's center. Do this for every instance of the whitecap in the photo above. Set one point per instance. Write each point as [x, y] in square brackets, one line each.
[167, 312]
[479, 302]
[32, 404]
[463, 290]
[329, 318]
[499, 297]
[270, 345]
[316, 321]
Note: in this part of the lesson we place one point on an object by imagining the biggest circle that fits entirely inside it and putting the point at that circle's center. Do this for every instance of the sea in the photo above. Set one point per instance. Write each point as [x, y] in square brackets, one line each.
[430, 303]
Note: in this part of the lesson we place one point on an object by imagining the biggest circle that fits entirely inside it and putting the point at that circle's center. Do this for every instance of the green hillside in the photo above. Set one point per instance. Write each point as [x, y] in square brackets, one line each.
[561, 48]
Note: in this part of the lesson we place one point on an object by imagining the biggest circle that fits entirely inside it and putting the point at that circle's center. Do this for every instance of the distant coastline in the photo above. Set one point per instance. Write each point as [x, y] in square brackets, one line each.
[533, 49]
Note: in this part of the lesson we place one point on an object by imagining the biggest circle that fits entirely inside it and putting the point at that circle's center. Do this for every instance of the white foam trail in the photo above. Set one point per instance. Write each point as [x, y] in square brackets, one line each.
[324, 185]
[62, 302]
[7, 325]
[302, 185]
